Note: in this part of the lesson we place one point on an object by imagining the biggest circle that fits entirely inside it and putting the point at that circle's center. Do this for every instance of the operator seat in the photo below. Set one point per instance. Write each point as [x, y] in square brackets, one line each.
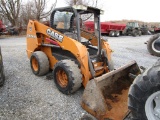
[73, 33]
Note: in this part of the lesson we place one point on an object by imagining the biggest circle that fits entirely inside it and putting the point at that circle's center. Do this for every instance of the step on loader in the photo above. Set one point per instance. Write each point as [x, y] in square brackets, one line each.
[77, 57]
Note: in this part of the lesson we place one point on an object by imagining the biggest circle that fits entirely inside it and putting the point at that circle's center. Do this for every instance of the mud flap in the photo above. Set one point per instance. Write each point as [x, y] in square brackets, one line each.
[105, 97]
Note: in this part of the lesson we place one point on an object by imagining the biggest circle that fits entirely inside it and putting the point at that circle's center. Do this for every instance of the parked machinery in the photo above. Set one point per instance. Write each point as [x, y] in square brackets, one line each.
[145, 30]
[8, 30]
[116, 29]
[2, 28]
[132, 28]
[109, 28]
[157, 29]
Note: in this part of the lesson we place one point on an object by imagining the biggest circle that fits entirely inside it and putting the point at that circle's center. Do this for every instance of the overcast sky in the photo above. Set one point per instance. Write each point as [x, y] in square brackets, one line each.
[144, 10]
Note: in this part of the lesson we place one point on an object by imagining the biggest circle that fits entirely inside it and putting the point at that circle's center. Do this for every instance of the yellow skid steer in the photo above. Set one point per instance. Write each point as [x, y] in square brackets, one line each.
[77, 57]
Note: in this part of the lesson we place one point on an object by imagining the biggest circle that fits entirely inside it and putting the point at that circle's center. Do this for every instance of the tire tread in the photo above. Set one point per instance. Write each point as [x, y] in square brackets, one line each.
[43, 62]
[74, 73]
[144, 85]
[149, 45]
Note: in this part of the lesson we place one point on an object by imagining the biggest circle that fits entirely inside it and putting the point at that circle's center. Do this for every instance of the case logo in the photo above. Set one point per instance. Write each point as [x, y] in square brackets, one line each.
[55, 35]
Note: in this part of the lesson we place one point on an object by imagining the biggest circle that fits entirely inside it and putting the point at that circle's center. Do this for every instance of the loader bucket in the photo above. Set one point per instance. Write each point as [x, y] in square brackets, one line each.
[105, 97]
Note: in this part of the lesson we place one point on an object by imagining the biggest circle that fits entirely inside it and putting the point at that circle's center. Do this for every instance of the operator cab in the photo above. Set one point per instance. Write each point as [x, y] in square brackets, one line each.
[69, 21]
[133, 24]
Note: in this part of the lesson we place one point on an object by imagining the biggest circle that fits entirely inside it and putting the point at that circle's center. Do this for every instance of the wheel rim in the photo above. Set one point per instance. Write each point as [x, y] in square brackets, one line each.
[156, 45]
[34, 64]
[134, 33]
[152, 106]
[112, 33]
[62, 78]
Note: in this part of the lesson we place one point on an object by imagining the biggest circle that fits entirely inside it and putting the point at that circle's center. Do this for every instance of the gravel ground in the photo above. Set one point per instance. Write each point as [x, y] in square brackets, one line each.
[129, 48]
[28, 97]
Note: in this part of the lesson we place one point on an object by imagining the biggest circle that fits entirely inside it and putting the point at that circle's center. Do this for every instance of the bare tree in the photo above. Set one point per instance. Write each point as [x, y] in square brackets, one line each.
[92, 3]
[77, 2]
[27, 12]
[82, 2]
[11, 9]
[35, 9]
[40, 6]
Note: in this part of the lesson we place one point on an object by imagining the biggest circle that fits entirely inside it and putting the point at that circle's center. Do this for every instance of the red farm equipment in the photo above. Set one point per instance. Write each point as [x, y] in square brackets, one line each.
[12, 30]
[2, 28]
[157, 29]
[110, 28]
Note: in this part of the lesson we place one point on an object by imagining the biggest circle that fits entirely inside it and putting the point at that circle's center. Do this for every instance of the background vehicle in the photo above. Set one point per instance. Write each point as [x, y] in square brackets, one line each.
[110, 28]
[9, 30]
[2, 28]
[12, 30]
[77, 57]
[132, 28]
[145, 30]
[116, 29]
[153, 45]
[157, 29]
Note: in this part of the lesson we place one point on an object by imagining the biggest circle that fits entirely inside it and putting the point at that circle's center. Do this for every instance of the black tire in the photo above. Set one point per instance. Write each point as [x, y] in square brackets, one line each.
[139, 33]
[117, 34]
[2, 76]
[72, 77]
[143, 86]
[134, 33]
[126, 34]
[39, 63]
[87, 117]
[151, 45]
[111, 33]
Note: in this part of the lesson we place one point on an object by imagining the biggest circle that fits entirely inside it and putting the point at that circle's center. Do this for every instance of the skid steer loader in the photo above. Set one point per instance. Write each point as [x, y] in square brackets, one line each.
[77, 57]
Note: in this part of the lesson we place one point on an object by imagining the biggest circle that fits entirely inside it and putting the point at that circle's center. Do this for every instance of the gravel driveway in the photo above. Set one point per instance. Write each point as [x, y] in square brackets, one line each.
[28, 97]
[129, 48]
